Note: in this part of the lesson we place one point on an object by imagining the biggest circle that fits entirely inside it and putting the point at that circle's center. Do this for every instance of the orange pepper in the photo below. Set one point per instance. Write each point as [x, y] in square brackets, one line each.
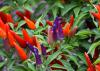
[20, 51]
[2, 33]
[37, 44]
[29, 23]
[66, 30]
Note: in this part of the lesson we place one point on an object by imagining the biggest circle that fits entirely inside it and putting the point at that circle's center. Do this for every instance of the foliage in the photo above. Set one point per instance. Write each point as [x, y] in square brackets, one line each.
[76, 35]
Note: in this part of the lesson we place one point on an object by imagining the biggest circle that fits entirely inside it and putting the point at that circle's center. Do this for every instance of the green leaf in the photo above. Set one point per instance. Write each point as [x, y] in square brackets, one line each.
[76, 11]
[67, 8]
[92, 48]
[67, 65]
[58, 66]
[97, 61]
[2, 64]
[20, 24]
[82, 34]
[11, 63]
[11, 25]
[21, 2]
[2, 53]
[59, 4]
[79, 18]
[51, 58]
[81, 56]
[28, 7]
[74, 58]
[5, 8]
[55, 11]
[31, 66]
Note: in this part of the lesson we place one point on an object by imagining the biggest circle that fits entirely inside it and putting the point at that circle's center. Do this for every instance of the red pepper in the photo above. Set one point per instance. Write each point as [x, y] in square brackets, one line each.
[96, 54]
[20, 51]
[9, 18]
[7, 27]
[27, 14]
[90, 65]
[3, 17]
[73, 31]
[20, 14]
[98, 7]
[96, 15]
[2, 25]
[29, 23]
[21, 41]
[10, 38]
[71, 21]
[49, 22]
[27, 37]
[98, 67]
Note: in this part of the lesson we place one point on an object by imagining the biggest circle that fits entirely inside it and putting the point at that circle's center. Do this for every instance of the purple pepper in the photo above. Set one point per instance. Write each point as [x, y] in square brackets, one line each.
[36, 53]
[43, 49]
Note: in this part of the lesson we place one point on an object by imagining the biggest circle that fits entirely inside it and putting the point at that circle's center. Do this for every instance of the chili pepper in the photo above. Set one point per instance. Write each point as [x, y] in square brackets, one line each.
[10, 38]
[37, 44]
[21, 41]
[43, 49]
[3, 17]
[71, 21]
[90, 65]
[27, 37]
[98, 7]
[66, 30]
[49, 22]
[9, 18]
[20, 14]
[50, 36]
[7, 28]
[98, 67]
[20, 51]
[73, 31]
[96, 15]
[2, 25]
[36, 53]
[2, 34]
[96, 53]
[29, 23]
[27, 14]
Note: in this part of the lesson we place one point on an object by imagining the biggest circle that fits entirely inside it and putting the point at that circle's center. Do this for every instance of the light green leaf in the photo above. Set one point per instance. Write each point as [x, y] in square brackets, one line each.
[55, 11]
[31, 66]
[22, 22]
[5, 8]
[67, 8]
[58, 66]
[51, 58]
[2, 64]
[97, 61]
[76, 11]
[79, 18]
[92, 48]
